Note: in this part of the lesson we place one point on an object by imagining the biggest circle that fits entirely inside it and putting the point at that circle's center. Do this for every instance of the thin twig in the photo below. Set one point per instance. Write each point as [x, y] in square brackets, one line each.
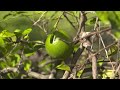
[77, 18]
[69, 21]
[103, 49]
[73, 62]
[9, 69]
[37, 75]
[58, 20]
[30, 73]
[82, 21]
[91, 34]
[40, 18]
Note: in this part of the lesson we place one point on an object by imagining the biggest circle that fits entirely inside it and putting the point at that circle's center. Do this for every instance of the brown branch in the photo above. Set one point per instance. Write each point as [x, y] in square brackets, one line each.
[103, 49]
[87, 44]
[40, 17]
[73, 62]
[9, 69]
[91, 34]
[94, 67]
[66, 75]
[37, 75]
[83, 19]
[76, 56]
[30, 73]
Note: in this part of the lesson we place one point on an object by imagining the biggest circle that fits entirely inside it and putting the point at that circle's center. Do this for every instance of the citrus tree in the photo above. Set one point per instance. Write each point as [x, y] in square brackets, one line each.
[59, 44]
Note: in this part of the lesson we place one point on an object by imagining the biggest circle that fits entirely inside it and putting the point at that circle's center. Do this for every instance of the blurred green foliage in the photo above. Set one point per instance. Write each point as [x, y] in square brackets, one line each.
[23, 33]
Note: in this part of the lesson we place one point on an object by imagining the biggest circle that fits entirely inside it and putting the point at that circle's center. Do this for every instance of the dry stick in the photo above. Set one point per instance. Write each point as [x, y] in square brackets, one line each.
[37, 75]
[91, 34]
[87, 44]
[93, 59]
[116, 71]
[81, 29]
[39, 26]
[66, 75]
[97, 32]
[98, 29]
[30, 73]
[79, 51]
[94, 67]
[106, 51]
[9, 69]
[103, 49]
[102, 42]
[40, 17]
[118, 68]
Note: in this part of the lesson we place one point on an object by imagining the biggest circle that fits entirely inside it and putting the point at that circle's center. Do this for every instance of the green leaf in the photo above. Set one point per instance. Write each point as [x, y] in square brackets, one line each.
[42, 63]
[117, 34]
[26, 37]
[27, 65]
[114, 19]
[27, 31]
[9, 76]
[108, 73]
[100, 62]
[63, 66]
[15, 59]
[45, 67]
[28, 52]
[18, 32]
[38, 44]
[16, 48]
[79, 73]
[14, 38]
[6, 33]
[112, 50]
[2, 43]
[3, 64]
[103, 16]
[91, 21]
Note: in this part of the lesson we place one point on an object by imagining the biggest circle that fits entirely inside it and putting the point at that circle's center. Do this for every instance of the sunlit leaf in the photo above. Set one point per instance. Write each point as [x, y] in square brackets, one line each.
[45, 67]
[14, 60]
[18, 32]
[100, 62]
[79, 73]
[6, 33]
[108, 73]
[2, 43]
[117, 34]
[63, 66]
[9, 75]
[27, 65]
[27, 31]
[3, 64]
[103, 16]
[112, 50]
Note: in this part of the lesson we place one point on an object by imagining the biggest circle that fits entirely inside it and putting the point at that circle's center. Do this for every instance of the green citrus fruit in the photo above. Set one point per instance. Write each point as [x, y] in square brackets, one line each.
[58, 45]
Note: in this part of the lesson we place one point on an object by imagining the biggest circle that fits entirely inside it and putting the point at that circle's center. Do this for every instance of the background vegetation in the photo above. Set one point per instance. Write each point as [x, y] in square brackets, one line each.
[96, 52]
